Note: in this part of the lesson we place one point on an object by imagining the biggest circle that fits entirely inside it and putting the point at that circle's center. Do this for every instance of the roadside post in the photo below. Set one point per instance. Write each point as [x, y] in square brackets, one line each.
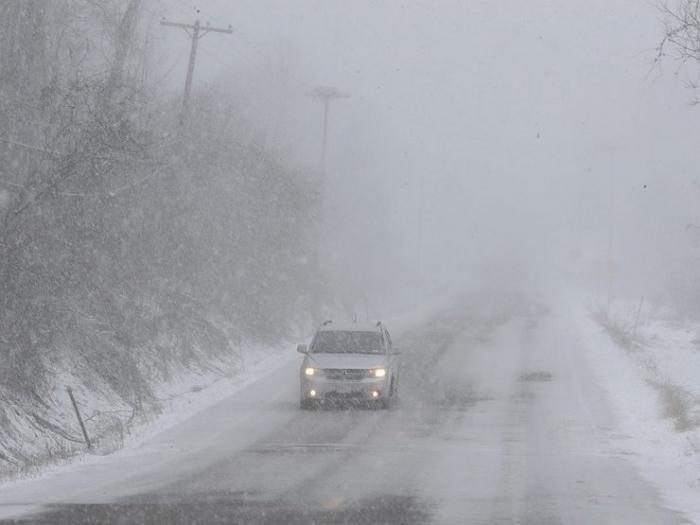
[80, 419]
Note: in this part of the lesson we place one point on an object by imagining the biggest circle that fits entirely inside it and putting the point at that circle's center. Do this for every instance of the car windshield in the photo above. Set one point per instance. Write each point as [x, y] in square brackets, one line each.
[347, 342]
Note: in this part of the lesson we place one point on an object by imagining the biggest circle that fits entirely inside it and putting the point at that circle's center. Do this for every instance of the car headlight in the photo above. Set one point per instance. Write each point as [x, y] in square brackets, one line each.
[310, 371]
[377, 372]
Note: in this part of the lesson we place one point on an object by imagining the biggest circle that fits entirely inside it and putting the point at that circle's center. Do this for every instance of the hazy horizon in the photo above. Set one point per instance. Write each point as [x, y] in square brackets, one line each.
[480, 141]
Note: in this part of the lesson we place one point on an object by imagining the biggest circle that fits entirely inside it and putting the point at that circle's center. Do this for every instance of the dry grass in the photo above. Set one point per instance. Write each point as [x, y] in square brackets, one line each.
[621, 334]
[678, 404]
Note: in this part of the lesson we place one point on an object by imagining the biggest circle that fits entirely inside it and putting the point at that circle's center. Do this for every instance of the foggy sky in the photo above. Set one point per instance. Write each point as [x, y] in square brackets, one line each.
[513, 142]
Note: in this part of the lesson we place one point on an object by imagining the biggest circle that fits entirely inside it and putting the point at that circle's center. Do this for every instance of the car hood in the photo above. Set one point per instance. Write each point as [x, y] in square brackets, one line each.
[364, 361]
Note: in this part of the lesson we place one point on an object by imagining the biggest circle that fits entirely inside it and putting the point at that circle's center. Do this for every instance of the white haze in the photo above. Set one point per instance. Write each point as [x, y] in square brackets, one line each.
[492, 143]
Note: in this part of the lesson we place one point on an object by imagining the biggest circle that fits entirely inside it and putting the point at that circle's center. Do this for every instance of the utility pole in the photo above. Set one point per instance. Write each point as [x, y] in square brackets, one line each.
[197, 32]
[325, 95]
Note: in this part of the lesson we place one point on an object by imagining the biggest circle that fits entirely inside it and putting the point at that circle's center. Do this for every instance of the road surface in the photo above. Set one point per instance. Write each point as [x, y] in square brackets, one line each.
[500, 420]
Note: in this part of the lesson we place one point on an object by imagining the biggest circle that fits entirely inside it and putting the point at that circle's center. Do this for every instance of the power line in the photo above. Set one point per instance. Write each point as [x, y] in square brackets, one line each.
[186, 8]
[197, 31]
[240, 33]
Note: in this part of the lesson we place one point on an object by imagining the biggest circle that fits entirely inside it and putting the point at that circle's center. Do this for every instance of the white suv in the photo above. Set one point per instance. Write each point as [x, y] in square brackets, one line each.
[352, 362]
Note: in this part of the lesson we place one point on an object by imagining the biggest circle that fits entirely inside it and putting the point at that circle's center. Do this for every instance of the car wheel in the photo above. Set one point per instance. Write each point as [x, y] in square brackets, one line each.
[307, 404]
[385, 402]
[391, 398]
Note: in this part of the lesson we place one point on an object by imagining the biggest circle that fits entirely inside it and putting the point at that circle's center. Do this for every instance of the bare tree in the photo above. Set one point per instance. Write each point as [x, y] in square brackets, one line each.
[681, 40]
[122, 249]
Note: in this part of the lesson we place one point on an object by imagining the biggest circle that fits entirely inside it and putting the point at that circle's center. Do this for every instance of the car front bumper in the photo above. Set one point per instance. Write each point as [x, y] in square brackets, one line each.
[323, 389]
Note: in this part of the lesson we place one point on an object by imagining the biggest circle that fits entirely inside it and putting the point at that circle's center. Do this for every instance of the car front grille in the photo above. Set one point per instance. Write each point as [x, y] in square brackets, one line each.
[344, 374]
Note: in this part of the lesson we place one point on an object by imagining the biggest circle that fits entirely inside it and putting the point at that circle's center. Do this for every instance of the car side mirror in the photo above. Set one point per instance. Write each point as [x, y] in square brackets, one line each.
[303, 349]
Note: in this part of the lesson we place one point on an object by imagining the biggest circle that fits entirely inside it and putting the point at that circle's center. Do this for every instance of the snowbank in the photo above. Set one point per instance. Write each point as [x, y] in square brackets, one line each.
[120, 394]
[649, 367]
[185, 395]
[180, 394]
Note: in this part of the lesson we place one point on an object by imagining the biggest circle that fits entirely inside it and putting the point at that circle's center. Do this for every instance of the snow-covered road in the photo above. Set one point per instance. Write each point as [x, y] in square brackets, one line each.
[500, 420]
